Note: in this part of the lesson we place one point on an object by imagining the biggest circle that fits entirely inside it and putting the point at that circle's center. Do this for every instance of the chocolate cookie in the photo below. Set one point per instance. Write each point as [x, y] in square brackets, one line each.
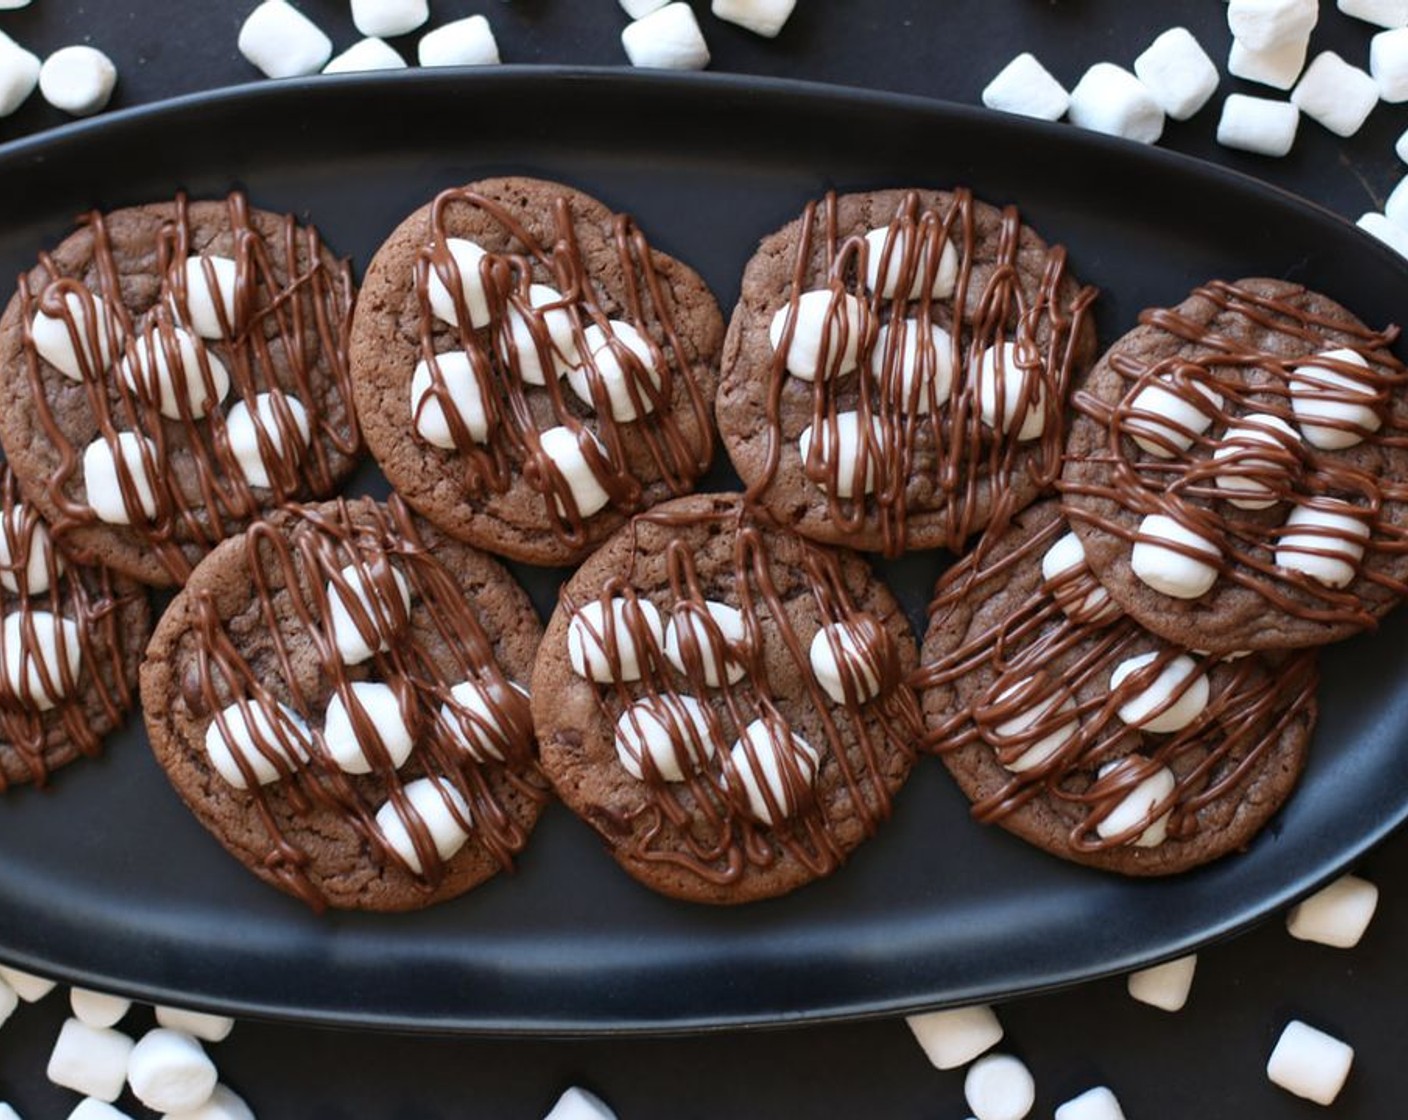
[170, 371]
[530, 372]
[69, 648]
[1067, 723]
[337, 696]
[724, 702]
[896, 371]
[1237, 469]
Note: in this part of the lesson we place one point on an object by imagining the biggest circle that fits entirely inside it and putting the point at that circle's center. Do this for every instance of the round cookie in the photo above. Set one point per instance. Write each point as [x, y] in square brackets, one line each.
[724, 702]
[529, 372]
[929, 338]
[70, 646]
[1071, 726]
[1263, 426]
[168, 372]
[338, 696]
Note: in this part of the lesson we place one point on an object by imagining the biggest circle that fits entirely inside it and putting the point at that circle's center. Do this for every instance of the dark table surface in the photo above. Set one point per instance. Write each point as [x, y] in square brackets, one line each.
[1207, 1061]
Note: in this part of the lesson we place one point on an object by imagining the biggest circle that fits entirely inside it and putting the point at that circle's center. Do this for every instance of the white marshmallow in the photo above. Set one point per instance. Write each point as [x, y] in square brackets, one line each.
[272, 436]
[1385, 13]
[439, 808]
[637, 8]
[365, 55]
[1176, 678]
[1263, 24]
[924, 392]
[474, 721]
[844, 660]
[578, 1104]
[602, 650]
[826, 333]
[945, 273]
[381, 708]
[1396, 206]
[844, 464]
[387, 18]
[1388, 63]
[19, 74]
[205, 303]
[620, 380]
[1278, 67]
[954, 1038]
[1165, 986]
[1309, 1063]
[1018, 380]
[199, 1024]
[26, 985]
[558, 325]
[78, 80]
[1324, 544]
[462, 42]
[769, 761]
[673, 732]
[1390, 233]
[33, 663]
[169, 1071]
[1094, 1104]
[1062, 557]
[762, 17]
[1040, 711]
[1336, 915]
[285, 737]
[53, 343]
[1168, 570]
[563, 448]
[27, 548]
[705, 651]
[1111, 100]
[1257, 124]
[466, 398]
[90, 1060]
[999, 1087]
[9, 1000]
[1400, 146]
[223, 1104]
[1164, 422]
[666, 39]
[283, 42]
[1178, 72]
[98, 1009]
[464, 260]
[148, 372]
[1319, 392]
[1336, 94]
[1026, 87]
[90, 1108]
[1138, 804]
[1243, 468]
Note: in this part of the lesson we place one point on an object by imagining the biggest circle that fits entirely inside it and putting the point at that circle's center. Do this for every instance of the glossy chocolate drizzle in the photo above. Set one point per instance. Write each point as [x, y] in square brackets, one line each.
[951, 445]
[291, 570]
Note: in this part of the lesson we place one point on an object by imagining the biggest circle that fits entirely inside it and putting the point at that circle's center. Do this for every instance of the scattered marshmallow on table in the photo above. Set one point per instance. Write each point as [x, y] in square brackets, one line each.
[8, 1113]
[1336, 94]
[578, 1104]
[1165, 986]
[98, 1009]
[1094, 1104]
[1388, 63]
[364, 55]
[200, 1024]
[79, 80]
[1026, 87]
[1381, 228]
[1396, 207]
[1309, 1063]
[90, 1060]
[1165, 557]
[19, 74]
[1278, 67]
[283, 42]
[1385, 13]
[224, 1104]
[9, 1000]
[762, 17]
[462, 42]
[666, 39]
[169, 1071]
[954, 1038]
[379, 707]
[1336, 915]
[1263, 24]
[1258, 124]
[999, 1087]
[1178, 72]
[27, 986]
[385, 18]
[1111, 100]
[636, 9]
[439, 808]
[91, 1108]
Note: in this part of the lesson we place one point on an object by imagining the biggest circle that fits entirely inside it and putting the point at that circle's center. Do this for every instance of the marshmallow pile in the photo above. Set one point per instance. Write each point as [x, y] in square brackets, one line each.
[667, 36]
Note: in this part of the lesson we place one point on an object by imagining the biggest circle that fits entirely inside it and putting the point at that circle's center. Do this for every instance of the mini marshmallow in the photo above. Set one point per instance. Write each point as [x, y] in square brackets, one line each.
[1336, 915]
[826, 333]
[1111, 100]
[1388, 63]
[210, 292]
[999, 1087]
[604, 652]
[762, 17]
[1165, 986]
[769, 761]
[1169, 570]
[667, 39]
[1094, 1104]
[1336, 94]
[25, 546]
[230, 740]
[1390, 233]
[34, 652]
[78, 80]
[1243, 469]
[638, 8]
[558, 324]
[704, 651]
[1400, 146]
[54, 344]
[914, 393]
[945, 273]
[1018, 727]
[673, 732]
[844, 660]
[474, 719]
[26, 985]
[365, 55]
[464, 262]
[1003, 370]
[387, 18]
[1322, 393]
[1324, 544]
[19, 74]
[1164, 421]
[466, 398]
[380, 708]
[1025, 87]
[578, 1104]
[1396, 206]
[1263, 24]
[1309, 1063]
[439, 808]
[200, 1024]
[147, 370]
[1278, 67]
[842, 469]
[1066, 555]
[563, 448]
[954, 1038]
[9, 1000]
[169, 1071]
[1176, 695]
[461, 42]
[8, 1113]
[283, 42]
[1257, 124]
[622, 381]
[1178, 72]
[98, 1009]
[1138, 804]
[90, 1060]
[1385, 13]
[223, 1104]
[89, 1108]
[271, 437]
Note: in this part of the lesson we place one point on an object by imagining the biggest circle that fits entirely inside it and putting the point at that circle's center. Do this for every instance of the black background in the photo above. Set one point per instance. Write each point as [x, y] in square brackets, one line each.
[1206, 1061]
